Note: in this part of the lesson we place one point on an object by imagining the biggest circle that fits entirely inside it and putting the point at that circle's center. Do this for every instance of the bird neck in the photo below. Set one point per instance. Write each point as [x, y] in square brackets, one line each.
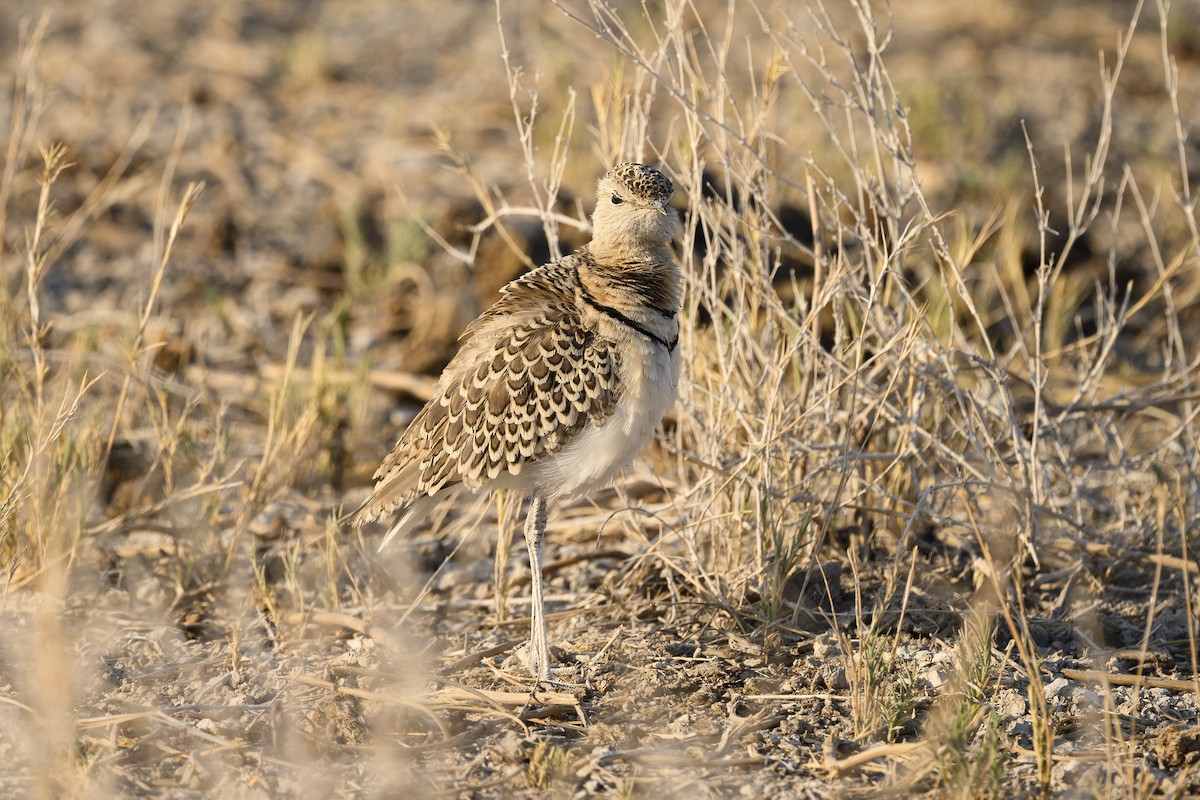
[622, 249]
[646, 280]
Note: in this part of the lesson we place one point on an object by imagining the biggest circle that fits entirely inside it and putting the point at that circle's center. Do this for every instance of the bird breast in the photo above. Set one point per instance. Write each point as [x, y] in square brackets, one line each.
[649, 381]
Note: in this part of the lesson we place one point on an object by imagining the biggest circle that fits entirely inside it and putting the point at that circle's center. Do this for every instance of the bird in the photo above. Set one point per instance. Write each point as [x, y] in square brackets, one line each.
[556, 387]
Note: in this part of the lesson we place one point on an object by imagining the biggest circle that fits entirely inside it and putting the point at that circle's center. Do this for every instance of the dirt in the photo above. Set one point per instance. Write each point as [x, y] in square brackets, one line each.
[275, 656]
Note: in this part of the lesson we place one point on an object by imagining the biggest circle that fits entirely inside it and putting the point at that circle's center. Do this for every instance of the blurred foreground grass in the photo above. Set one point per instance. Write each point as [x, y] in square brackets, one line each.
[936, 449]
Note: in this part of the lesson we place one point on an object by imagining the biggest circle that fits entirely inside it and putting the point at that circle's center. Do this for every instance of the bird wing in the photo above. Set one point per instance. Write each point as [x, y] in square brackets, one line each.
[530, 375]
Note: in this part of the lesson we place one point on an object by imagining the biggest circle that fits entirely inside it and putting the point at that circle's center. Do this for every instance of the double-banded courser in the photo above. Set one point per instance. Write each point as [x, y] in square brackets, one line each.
[557, 386]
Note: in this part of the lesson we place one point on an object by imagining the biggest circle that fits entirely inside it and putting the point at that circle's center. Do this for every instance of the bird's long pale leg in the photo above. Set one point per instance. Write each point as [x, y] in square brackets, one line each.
[539, 646]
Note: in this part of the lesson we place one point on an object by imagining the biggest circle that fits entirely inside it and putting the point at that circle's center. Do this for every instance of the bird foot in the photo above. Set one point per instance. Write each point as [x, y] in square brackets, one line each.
[545, 672]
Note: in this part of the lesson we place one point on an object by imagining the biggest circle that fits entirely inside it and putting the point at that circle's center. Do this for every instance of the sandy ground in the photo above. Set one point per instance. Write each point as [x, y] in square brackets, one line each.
[262, 652]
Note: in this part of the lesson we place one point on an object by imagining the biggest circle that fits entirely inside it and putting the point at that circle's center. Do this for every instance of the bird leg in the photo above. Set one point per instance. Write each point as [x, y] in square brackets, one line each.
[539, 646]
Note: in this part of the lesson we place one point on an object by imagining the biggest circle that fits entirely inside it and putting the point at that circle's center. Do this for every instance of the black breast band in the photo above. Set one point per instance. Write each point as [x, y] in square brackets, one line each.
[613, 313]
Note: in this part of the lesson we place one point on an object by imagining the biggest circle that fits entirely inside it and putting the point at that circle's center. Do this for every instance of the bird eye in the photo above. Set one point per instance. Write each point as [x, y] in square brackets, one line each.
[617, 200]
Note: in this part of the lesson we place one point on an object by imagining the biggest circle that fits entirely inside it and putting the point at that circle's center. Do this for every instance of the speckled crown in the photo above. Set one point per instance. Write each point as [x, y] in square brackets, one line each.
[642, 181]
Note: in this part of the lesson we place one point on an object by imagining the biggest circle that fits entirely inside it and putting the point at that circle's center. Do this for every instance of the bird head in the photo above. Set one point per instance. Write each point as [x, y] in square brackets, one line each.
[632, 207]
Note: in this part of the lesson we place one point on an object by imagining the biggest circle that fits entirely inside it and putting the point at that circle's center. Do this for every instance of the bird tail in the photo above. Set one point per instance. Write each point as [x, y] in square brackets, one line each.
[361, 515]
[411, 516]
[390, 494]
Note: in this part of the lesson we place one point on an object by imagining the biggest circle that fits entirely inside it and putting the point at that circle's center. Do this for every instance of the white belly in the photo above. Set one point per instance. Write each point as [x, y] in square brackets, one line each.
[650, 383]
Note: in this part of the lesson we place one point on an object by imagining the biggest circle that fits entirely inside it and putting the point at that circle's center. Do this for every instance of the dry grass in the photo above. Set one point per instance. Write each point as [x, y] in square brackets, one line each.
[921, 522]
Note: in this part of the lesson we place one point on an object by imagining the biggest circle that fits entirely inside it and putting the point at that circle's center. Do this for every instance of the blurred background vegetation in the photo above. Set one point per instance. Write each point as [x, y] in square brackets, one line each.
[939, 401]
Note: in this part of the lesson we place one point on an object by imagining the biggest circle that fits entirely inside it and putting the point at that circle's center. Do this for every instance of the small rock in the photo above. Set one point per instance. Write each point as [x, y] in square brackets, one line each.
[1020, 730]
[1178, 747]
[1075, 773]
[827, 646]
[834, 677]
[1012, 704]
